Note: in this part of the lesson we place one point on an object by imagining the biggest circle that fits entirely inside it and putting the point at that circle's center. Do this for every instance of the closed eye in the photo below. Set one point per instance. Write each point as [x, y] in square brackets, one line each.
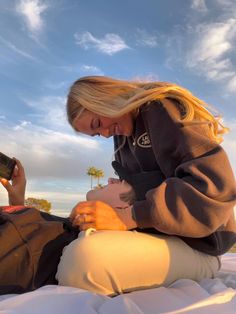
[96, 123]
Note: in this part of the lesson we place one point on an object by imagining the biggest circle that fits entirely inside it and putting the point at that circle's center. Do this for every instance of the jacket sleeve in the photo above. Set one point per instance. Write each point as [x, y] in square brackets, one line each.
[199, 192]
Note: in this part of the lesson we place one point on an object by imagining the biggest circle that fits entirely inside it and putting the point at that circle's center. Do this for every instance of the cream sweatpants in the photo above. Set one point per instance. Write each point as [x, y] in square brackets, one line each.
[114, 262]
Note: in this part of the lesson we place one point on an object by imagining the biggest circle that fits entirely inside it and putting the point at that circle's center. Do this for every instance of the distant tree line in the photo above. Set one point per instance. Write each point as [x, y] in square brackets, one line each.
[39, 204]
[46, 206]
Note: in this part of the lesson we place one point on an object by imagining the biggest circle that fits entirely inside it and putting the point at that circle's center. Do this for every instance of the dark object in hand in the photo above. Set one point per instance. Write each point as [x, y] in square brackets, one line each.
[7, 166]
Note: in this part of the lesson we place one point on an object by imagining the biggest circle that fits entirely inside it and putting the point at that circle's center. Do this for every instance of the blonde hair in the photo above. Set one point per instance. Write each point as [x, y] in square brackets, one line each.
[113, 98]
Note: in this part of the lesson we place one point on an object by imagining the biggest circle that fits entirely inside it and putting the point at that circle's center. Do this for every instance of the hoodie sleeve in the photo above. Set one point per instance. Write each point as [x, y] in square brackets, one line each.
[199, 192]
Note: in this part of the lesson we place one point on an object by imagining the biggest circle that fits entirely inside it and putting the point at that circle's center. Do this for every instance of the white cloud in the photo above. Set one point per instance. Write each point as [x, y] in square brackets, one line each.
[199, 5]
[110, 44]
[50, 111]
[32, 11]
[20, 52]
[57, 151]
[82, 69]
[212, 50]
[91, 69]
[226, 3]
[213, 42]
[70, 68]
[150, 77]
[146, 39]
[232, 84]
[55, 85]
[21, 125]
[55, 162]
[48, 153]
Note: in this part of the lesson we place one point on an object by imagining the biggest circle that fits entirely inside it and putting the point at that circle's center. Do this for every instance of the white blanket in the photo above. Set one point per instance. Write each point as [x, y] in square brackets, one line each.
[184, 296]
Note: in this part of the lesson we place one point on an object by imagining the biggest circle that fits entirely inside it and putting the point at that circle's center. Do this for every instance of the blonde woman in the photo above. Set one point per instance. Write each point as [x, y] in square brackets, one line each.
[167, 147]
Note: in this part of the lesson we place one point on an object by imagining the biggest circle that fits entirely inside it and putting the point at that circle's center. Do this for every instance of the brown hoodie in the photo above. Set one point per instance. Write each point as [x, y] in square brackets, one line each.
[194, 190]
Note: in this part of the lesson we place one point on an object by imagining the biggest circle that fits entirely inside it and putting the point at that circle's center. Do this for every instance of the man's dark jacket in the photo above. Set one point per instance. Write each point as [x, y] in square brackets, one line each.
[31, 243]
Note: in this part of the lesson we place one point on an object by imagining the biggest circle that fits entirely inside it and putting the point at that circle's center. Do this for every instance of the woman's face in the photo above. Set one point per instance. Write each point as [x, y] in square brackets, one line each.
[93, 124]
[110, 194]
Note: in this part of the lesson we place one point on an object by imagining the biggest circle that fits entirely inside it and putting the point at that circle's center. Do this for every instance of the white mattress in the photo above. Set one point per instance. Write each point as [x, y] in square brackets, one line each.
[184, 296]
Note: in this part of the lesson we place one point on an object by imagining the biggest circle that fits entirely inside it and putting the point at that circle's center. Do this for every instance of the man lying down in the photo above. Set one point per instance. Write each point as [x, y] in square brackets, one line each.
[98, 248]
[31, 241]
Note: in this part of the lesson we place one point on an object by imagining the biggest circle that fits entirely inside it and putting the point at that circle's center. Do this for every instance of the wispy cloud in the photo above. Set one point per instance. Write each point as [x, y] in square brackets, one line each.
[199, 5]
[150, 77]
[21, 125]
[49, 111]
[146, 39]
[82, 69]
[91, 69]
[232, 84]
[109, 44]
[45, 136]
[48, 153]
[31, 11]
[225, 4]
[55, 85]
[52, 161]
[210, 54]
[20, 52]
[55, 162]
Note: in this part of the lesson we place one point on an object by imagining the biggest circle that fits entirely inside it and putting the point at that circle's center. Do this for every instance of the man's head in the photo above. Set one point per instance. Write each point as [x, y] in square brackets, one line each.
[119, 194]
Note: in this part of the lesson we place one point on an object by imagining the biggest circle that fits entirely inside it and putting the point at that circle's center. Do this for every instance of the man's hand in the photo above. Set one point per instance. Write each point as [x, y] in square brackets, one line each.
[98, 215]
[16, 189]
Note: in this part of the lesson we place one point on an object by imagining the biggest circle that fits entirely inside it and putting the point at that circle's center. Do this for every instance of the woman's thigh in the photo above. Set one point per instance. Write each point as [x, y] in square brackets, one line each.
[114, 262]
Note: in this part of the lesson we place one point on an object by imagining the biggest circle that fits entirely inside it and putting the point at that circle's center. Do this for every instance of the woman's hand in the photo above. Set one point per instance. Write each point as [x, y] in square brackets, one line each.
[98, 215]
[16, 189]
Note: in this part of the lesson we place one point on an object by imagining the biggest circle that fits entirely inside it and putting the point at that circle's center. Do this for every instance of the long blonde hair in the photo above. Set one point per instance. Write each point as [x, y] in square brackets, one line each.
[113, 98]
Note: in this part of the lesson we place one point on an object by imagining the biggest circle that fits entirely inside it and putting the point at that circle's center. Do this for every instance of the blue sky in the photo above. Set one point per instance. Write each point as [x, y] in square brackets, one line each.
[46, 45]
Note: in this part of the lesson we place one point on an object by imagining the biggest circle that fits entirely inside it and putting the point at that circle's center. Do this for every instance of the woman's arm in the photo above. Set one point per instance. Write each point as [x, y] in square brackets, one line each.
[199, 193]
[195, 202]
[16, 189]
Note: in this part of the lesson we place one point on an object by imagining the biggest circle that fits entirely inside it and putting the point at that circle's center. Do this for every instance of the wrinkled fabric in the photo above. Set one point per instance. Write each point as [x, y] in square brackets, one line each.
[211, 296]
[31, 243]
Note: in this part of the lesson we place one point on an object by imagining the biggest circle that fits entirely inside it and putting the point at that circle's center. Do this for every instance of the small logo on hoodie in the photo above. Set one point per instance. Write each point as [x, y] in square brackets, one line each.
[144, 141]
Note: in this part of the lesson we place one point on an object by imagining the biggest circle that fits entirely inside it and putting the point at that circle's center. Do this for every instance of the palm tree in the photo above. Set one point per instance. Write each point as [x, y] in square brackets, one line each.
[99, 174]
[91, 171]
